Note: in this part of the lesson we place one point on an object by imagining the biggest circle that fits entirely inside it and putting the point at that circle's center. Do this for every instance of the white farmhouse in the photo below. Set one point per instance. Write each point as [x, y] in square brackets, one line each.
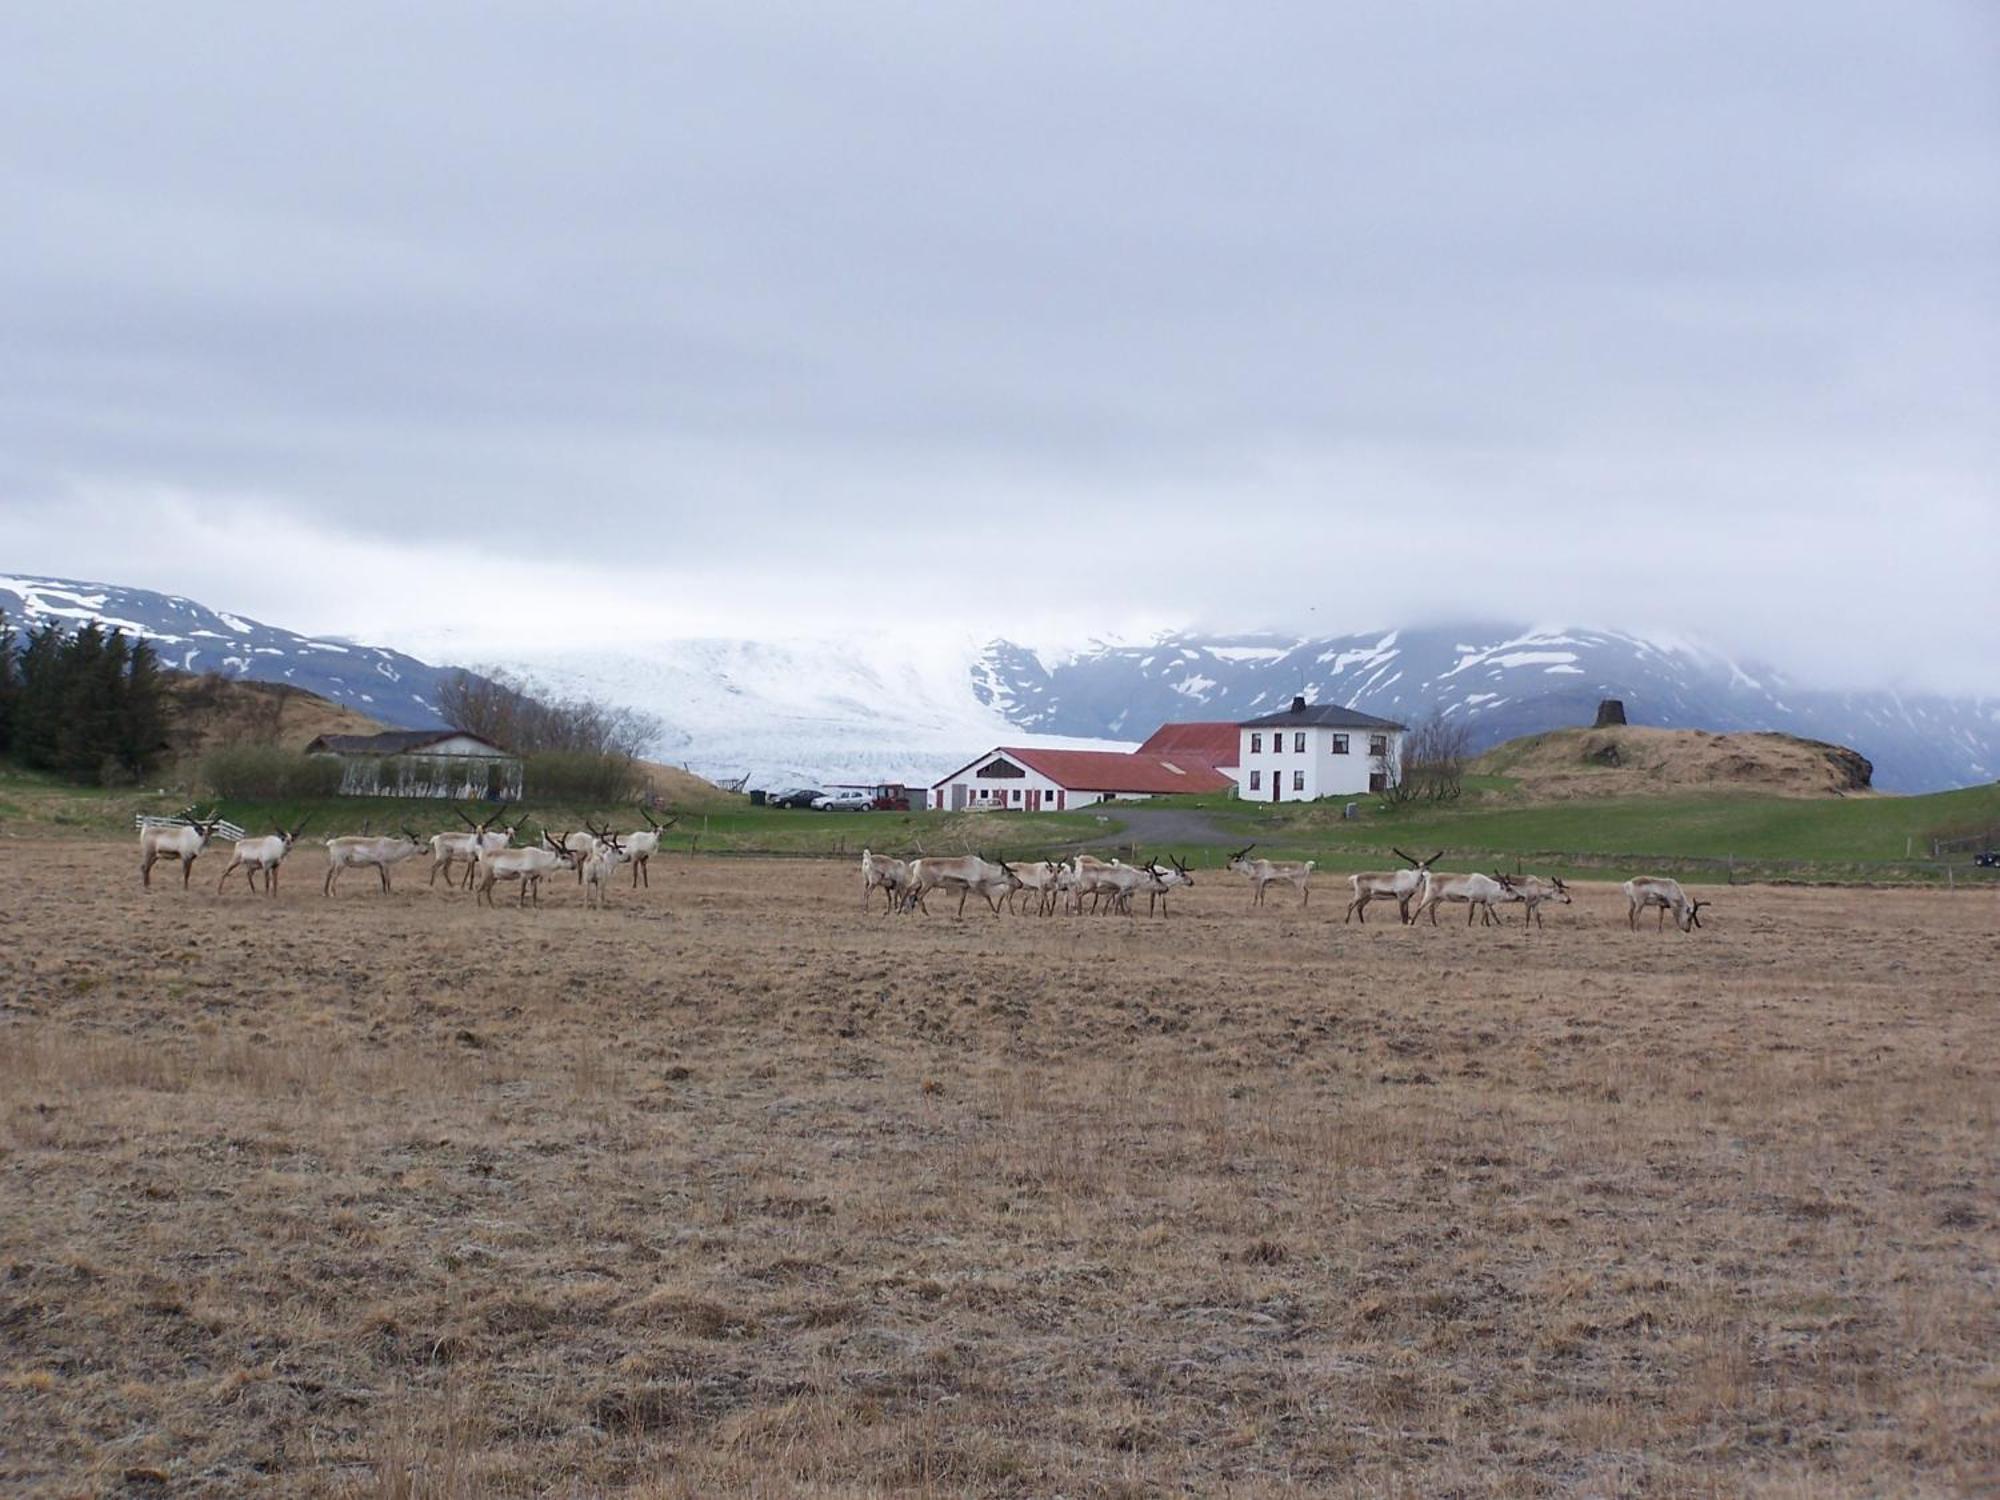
[1310, 751]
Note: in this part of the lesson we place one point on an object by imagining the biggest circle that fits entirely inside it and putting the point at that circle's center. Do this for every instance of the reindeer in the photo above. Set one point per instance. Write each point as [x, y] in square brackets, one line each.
[1658, 890]
[1043, 877]
[183, 841]
[264, 854]
[1535, 893]
[640, 846]
[379, 851]
[965, 872]
[599, 868]
[527, 864]
[879, 871]
[1268, 872]
[1480, 893]
[1164, 881]
[1389, 885]
[448, 849]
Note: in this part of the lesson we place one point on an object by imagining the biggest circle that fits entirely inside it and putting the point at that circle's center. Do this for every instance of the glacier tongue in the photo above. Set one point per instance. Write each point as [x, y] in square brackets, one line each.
[805, 711]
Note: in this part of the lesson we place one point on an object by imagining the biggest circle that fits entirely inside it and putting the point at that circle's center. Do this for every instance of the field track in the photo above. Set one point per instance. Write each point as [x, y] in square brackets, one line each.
[734, 1189]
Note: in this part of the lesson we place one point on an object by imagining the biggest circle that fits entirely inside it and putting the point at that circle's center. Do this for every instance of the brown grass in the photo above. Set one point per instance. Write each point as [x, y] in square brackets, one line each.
[734, 1190]
[1637, 761]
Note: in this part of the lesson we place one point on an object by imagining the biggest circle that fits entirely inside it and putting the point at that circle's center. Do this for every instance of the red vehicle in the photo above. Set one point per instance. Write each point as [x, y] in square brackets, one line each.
[893, 796]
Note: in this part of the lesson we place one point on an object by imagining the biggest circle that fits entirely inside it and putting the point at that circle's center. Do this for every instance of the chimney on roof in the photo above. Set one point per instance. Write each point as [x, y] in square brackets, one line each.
[1299, 704]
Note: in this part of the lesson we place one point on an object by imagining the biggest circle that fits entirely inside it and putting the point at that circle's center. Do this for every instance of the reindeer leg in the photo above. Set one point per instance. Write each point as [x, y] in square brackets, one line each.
[225, 879]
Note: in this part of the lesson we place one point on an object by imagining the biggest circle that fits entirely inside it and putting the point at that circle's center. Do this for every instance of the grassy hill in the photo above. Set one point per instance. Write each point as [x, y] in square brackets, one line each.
[1635, 761]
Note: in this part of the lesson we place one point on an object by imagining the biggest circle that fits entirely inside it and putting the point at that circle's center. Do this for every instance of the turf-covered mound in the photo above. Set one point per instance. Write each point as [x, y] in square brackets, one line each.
[1628, 760]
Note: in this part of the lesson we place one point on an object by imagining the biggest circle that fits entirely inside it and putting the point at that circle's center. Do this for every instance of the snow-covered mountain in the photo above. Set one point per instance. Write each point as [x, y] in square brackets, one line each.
[191, 637]
[893, 707]
[1502, 680]
[807, 712]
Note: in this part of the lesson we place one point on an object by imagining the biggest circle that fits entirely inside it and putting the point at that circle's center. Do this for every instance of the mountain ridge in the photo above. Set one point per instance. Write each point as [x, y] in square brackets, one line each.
[885, 707]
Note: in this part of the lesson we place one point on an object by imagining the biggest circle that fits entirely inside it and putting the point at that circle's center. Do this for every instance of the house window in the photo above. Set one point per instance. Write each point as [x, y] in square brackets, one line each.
[1340, 744]
[1298, 781]
[1378, 744]
[1256, 781]
[1256, 744]
[1017, 794]
[1299, 742]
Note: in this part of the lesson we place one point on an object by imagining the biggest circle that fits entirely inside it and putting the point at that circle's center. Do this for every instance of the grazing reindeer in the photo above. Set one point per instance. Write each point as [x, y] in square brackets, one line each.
[264, 854]
[644, 844]
[1264, 873]
[358, 851]
[183, 842]
[1658, 890]
[1535, 892]
[1389, 885]
[1480, 893]
[527, 864]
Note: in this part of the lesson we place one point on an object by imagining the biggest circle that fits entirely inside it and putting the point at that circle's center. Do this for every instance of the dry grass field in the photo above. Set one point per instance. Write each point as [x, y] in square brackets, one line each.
[734, 1190]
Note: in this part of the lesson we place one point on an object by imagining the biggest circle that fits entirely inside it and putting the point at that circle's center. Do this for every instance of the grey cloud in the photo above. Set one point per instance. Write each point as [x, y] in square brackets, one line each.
[1234, 291]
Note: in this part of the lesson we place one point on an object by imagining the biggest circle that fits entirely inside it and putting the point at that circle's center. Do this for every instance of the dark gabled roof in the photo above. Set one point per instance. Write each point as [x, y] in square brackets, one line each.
[1305, 715]
[393, 742]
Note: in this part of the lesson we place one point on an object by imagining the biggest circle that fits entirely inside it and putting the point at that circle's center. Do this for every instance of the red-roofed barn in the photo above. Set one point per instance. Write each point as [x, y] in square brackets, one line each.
[1016, 778]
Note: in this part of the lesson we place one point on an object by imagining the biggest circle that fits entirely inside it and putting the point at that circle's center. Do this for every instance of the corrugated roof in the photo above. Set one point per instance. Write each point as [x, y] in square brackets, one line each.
[1218, 744]
[1324, 715]
[393, 742]
[1113, 771]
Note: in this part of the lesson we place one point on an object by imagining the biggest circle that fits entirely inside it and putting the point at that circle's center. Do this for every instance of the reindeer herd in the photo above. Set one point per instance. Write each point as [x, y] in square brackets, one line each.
[490, 854]
[1109, 886]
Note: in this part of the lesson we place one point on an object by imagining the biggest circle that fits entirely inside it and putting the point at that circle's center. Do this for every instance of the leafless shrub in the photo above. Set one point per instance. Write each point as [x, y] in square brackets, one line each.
[1432, 762]
[528, 719]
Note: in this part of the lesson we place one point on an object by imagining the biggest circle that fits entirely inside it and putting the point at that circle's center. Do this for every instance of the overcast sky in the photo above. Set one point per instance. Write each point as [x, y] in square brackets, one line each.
[1042, 319]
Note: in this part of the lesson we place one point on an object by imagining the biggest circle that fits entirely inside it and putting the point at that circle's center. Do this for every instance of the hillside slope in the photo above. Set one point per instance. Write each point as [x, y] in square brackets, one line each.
[1634, 761]
[211, 711]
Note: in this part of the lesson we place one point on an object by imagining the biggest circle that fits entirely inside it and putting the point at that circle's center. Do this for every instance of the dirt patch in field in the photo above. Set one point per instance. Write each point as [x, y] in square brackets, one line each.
[1635, 761]
[736, 1188]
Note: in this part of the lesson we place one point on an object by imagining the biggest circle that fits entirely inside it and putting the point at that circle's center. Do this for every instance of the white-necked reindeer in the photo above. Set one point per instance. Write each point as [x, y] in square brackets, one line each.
[1389, 885]
[368, 851]
[1480, 893]
[180, 841]
[642, 844]
[880, 871]
[264, 854]
[601, 866]
[1265, 873]
[527, 864]
[1658, 890]
[448, 849]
